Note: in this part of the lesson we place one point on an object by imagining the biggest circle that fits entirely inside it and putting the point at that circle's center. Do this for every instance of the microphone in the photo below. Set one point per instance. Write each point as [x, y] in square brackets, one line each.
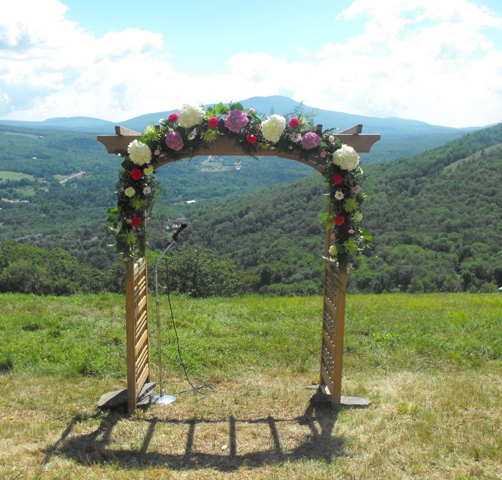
[180, 229]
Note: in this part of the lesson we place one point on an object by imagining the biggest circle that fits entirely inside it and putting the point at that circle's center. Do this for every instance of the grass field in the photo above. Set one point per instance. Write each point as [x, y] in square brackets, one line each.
[430, 364]
[6, 175]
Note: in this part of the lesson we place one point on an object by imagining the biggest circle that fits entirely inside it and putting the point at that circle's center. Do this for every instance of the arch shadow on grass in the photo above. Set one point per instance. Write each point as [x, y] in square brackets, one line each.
[98, 447]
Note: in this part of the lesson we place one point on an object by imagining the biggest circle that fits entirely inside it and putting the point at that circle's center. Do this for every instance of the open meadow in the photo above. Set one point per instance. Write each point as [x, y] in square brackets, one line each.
[430, 364]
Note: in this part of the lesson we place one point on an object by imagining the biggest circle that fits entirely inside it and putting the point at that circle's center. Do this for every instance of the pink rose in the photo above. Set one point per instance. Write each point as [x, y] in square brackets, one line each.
[337, 179]
[213, 122]
[294, 123]
[136, 174]
[173, 117]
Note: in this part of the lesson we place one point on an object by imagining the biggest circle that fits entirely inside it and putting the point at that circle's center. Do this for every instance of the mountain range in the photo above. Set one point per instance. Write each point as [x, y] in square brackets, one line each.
[419, 136]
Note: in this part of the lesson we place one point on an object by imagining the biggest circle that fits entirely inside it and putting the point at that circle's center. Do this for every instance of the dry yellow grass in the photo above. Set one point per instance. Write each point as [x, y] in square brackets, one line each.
[258, 426]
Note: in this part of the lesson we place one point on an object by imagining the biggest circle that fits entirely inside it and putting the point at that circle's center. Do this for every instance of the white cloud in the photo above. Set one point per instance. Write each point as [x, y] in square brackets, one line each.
[61, 68]
[421, 59]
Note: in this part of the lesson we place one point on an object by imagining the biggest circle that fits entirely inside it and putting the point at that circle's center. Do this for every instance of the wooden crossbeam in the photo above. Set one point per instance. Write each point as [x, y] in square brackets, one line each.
[353, 137]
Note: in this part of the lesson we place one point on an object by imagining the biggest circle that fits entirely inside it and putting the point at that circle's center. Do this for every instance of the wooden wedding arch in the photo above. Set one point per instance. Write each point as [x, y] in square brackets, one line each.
[333, 321]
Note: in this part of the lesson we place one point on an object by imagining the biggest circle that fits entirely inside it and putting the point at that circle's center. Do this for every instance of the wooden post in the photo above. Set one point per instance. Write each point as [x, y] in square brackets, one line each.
[339, 336]
[331, 354]
[333, 332]
[138, 335]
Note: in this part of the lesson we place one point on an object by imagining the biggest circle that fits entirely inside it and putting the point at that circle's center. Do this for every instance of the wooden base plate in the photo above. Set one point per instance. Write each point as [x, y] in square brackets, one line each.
[118, 398]
[322, 399]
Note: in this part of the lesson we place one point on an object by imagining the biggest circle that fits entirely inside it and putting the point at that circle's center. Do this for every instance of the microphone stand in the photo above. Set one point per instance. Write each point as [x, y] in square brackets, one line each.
[161, 398]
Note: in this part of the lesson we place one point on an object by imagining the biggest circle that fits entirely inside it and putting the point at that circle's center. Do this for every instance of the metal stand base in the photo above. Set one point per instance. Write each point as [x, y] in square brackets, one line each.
[164, 399]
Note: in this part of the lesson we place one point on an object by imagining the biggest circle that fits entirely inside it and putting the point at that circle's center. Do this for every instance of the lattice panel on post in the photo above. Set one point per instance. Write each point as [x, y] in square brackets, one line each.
[138, 338]
[332, 333]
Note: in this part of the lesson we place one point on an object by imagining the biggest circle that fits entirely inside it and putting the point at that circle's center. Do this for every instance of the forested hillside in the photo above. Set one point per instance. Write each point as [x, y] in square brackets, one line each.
[436, 217]
[436, 220]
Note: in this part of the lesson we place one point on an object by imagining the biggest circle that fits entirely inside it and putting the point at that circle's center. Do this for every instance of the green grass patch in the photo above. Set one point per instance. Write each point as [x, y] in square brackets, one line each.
[6, 175]
[85, 334]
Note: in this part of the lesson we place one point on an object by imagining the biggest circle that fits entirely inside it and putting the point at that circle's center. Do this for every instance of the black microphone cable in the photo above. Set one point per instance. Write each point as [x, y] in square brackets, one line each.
[193, 387]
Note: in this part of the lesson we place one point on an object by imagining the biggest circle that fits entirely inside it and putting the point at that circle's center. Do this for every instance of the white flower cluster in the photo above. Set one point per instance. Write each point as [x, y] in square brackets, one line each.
[346, 158]
[139, 153]
[190, 115]
[273, 127]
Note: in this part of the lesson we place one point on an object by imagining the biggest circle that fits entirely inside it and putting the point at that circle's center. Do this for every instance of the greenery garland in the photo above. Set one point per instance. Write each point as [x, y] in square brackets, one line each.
[194, 128]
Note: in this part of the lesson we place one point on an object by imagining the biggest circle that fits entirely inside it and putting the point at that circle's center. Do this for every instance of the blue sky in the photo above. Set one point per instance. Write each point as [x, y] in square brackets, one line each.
[438, 62]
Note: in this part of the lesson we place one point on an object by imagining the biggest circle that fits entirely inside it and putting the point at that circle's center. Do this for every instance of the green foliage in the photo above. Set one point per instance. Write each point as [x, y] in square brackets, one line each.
[28, 269]
[197, 273]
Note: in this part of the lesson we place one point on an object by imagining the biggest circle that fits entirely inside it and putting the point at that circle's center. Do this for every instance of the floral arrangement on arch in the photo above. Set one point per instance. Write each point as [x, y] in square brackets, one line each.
[194, 128]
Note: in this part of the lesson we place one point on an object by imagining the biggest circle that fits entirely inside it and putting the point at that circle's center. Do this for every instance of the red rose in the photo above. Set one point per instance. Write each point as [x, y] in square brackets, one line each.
[136, 173]
[339, 220]
[294, 123]
[135, 221]
[251, 139]
[173, 117]
[213, 122]
[337, 179]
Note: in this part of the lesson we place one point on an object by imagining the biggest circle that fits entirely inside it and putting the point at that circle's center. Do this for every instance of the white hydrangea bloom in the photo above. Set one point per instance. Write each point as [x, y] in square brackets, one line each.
[273, 127]
[190, 115]
[139, 153]
[346, 158]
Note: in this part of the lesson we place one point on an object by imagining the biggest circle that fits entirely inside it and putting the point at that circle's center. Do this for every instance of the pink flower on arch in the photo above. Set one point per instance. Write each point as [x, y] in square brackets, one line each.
[136, 174]
[310, 140]
[337, 179]
[213, 122]
[174, 141]
[236, 120]
[294, 123]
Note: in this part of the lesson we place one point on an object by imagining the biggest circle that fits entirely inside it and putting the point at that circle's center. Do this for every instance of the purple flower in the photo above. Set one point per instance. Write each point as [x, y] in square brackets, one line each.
[310, 140]
[174, 141]
[235, 120]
